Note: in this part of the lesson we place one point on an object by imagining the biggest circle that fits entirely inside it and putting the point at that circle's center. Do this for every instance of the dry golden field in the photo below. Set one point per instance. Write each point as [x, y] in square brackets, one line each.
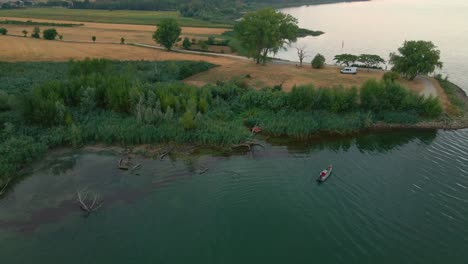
[106, 32]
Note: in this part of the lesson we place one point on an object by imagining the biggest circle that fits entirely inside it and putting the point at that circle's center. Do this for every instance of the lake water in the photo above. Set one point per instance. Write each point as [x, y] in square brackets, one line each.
[398, 197]
[381, 26]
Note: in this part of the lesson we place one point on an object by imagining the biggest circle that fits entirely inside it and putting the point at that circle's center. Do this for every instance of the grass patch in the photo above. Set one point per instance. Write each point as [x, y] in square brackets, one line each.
[453, 92]
[107, 16]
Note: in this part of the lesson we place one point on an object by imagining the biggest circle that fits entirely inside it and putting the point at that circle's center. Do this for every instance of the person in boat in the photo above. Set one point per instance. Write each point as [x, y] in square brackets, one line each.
[323, 173]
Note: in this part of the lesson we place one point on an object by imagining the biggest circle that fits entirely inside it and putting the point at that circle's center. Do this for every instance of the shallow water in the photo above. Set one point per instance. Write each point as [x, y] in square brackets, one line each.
[381, 26]
[393, 198]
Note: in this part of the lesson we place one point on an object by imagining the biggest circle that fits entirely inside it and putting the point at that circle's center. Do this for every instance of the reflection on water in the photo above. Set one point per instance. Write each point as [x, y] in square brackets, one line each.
[381, 26]
[393, 196]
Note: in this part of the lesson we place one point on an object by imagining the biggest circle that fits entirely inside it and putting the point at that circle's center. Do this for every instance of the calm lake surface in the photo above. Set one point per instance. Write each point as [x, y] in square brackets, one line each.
[381, 26]
[399, 197]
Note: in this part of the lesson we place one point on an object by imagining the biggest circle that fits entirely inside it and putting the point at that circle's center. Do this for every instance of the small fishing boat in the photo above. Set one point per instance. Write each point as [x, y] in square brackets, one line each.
[323, 176]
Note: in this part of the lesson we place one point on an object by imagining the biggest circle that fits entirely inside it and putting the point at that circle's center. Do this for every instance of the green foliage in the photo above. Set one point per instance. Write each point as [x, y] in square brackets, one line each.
[5, 103]
[3, 31]
[60, 37]
[346, 59]
[101, 101]
[122, 40]
[203, 45]
[391, 96]
[34, 23]
[265, 31]
[25, 33]
[167, 33]
[16, 151]
[93, 38]
[36, 32]
[415, 58]
[318, 62]
[455, 94]
[302, 32]
[50, 34]
[186, 43]
[370, 60]
[391, 76]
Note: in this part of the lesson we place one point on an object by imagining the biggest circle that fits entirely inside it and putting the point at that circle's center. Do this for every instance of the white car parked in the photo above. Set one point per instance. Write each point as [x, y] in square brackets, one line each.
[349, 70]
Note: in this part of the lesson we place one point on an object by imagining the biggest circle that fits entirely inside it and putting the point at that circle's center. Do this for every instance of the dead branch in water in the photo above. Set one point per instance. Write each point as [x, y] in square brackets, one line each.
[248, 145]
[202, 171]
[88, 205]
[166, 153]
[4, 187]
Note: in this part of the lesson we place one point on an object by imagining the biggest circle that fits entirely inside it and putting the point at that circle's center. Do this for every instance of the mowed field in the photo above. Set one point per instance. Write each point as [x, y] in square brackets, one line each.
[106, 32]
[107, 16]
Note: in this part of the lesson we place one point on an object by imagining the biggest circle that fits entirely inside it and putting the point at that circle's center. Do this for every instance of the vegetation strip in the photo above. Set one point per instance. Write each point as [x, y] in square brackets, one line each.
[34, 23]
[131, 103]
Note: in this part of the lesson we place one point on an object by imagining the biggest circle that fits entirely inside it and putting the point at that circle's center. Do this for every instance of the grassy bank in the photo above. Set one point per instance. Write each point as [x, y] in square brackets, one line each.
[457, 97]
[107, 16]
[129, 103]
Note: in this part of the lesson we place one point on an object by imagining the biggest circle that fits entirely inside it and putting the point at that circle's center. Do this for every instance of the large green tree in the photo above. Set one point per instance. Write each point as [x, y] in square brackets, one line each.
[370, 60]
[265, 31]
[346, 59]
[167, 33]
[415, 58]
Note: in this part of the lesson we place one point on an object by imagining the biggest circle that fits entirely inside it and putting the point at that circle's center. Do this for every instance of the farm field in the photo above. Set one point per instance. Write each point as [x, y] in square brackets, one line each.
[107, 32]
[107, 16]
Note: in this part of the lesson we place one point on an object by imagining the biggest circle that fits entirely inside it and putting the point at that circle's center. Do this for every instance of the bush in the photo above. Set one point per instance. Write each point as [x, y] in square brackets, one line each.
[3, 31]
[203, 45]
[391, 76]
[93, 38]
[186, 43]
[122, 40]
[188, 120]
[50, 34]
[36, 32]
[25, 33]
[318, 62]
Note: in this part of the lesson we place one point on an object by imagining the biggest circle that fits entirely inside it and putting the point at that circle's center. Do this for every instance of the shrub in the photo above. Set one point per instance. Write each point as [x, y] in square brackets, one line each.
[49, 34]
[36, 32]
[122, 40]
[186, 43]
[93, 38]
[391, 76]
[4, 101]
[203, 45]
[25, 33]
[3, 31]
[318, 62]
[60, 37]
[188, 120]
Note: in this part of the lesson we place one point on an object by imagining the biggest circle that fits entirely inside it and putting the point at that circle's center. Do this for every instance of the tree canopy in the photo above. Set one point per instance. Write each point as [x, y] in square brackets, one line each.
[416, 57]
[50, 34]
[265, 31]
[346, 59]
[168, 33]
[370, 60]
